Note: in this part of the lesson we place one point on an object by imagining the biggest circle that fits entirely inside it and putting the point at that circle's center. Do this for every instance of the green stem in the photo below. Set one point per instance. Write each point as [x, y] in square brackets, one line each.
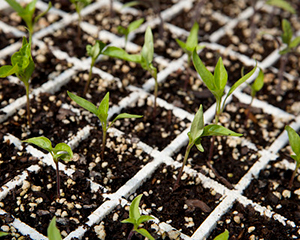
[186, 155]
[155, 97]
[28, 105]
[57, 180]
[293, 176]
[86, 88]
[103, 144]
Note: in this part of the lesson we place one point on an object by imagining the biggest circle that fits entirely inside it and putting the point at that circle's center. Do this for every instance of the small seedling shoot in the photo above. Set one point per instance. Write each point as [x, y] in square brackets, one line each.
[3, 234]
[291, 44]
[93, 52]
[197, 132]
[61, 151]
[216, 84]
[223, 236]
[27, 13]
[135, 218]
[294, 140]
[23, 67]
[255, 87]
[79, 5]
[188, 47]
[52, 231]
[131, 27]
[145, 58]
[102, 113]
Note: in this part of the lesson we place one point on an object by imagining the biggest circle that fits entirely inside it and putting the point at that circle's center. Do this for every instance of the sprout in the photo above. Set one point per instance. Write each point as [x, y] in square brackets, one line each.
[222, 236]
[135, 218]
[61, 151]
[52, 231]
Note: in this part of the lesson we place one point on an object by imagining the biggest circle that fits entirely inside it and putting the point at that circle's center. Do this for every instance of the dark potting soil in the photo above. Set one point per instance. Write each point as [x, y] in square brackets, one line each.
[163, 129]
[271, 189]
[6, 39]
[185, 208]
[172, 90]
[67, 40]
[49, 118]
[230, 8]
[244, 222]
[13, 161]
[36, 204]
[147, 7]
[122, 160]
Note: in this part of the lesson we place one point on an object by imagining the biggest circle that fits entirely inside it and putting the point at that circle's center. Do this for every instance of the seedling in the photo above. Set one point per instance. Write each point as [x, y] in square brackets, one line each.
[188, 47]
[216, 84]
[27, 12]
[61, 151]
[102, 113]
[23, 67]
[93, 52]
[136, 219]
[2, 234]
[291, 44]
[131, 27]
[145, 58]
[79, 5]
[223, 236]
[255, 87]
[294, 139]
[52, 231]
[197, 132]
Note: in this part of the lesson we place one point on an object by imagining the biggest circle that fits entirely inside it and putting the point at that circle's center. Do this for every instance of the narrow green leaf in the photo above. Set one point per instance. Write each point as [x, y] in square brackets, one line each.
[15, 5]
[222, 236]
[120, 53]
[282, 4]
[2, 234]
[83, 103]
[96, 50]
[181, 44]
[41, 142]
[52, 231]
[294, 139]
[63, 151]
[134, 211]
[205, 75]
[102, 111]
[287, 32]
[258, 83]
[295, 42]
[192, 40]
[144, 218]
[145, 233]
[218, 130]
[7, 70]
[135, 25]
[131, 4]
[220, 75]
[30, 7]
[129, 220]
[238, 83]
[197, 126]
[199, 145]
[284, 51]
[148, 48]
[43, 13]
[124, 115]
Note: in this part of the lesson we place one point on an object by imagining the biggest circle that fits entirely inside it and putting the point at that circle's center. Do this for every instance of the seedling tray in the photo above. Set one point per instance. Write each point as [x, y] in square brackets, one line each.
[145, 155]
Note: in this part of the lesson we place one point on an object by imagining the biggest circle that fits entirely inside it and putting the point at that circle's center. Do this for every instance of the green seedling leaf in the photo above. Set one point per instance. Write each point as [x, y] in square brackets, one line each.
[144, 218]
[145, 233]
[15, 5]
[181, 44]
[83, 103]
[125, 115]
[220, 76]
[43, 13]
[131, 4]
[294, 140]
[135, 25]
[218, 130]
[96, 50]
[63, 151]
[8, 70]
[295, 42]
[192, 40]
[205, 75]
[287, 32]
[223, 236]
[2, 234]
[282, 4]
[52, 231]
[197, 126]
[120, 53]
[147, 50]
[134, 212]
[258, 83]
[41, 142]
[102, 111]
